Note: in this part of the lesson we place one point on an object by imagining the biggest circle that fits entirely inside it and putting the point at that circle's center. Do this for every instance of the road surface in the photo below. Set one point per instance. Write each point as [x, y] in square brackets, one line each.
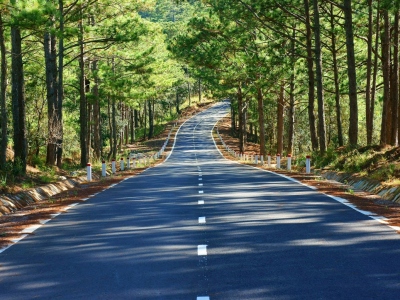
[201, 227]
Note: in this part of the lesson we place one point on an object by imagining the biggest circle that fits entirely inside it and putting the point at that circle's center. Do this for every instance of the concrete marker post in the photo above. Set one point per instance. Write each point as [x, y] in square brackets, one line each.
[128, 164]
[256, 160]
[89, 172]
[308, 164]
[103, 168]
[262, 160]
[278, 161]
[289, 162]
[122, 164]
[113, 168]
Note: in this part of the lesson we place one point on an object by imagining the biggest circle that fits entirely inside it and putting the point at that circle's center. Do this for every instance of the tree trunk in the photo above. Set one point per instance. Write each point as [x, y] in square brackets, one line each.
[368, 116]
[114, 144]
[280, 127]
[96, 113]
[386, 122]
[145, 119]
[3, 90]
[311, 79]
[395, 82]
[292, 97]
[260, 100]
[60, 92]
[242, 142]
[319, 79]
[336, 79]
[133, 125]
[351, 71]
[199, 90]
[178, 111]
[18, 102]
[151, 120]
[190, 99]
[51, 89]
[83, 101]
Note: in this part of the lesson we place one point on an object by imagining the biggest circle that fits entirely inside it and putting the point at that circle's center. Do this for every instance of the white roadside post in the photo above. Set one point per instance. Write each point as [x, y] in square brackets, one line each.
[128, 159]
[113, 168]
[89, 172]
[269, 160]
[308, 164]
[262, 159]
[122, 164]
[256, 160]
[103, 168]
[289, 162]
[278, 161]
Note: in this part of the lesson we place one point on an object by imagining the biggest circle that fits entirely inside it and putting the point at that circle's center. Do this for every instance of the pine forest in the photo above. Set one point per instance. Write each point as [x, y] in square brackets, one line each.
[82, 78]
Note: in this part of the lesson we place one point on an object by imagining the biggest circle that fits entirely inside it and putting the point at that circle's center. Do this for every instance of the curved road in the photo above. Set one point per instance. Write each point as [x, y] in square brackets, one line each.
[202, 227]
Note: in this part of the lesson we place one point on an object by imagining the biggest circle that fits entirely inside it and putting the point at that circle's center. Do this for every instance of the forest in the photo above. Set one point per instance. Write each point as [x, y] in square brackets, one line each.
[82, 78]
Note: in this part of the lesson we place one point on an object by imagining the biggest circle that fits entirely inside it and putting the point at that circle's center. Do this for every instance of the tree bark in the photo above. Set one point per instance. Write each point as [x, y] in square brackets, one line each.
[311, 79]
[60, 92]
[395, 82]
[280, 125]
[83, 101]
[242, 142]
[386, 122]
[51, 91]
[151, 119]
[18, 102]
[336, 78]
[96, 113]
[3, 90]
[291, 114]
[351, 71]
[261, 122]
[319, 80]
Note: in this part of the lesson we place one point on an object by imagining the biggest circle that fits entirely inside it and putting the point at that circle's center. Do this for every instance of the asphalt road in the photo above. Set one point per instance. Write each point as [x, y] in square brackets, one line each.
[201, 227]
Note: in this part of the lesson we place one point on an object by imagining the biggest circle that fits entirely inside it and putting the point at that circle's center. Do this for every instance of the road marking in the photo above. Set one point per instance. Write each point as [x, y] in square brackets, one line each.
[31, 229]
[202, 250]
[201, 202]
[201, 192]
[200, 178]
[203, 298]
[200, 184]
[202, 220]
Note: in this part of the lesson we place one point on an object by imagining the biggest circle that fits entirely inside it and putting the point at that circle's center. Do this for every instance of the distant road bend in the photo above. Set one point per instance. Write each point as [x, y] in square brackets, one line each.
[201, 227]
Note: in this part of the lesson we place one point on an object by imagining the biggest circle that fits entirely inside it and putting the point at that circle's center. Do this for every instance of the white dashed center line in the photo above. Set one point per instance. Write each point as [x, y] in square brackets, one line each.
[203, 298]
[202, 220]
[200, 184]
[201, 202]
[201, 192]
[202, 250]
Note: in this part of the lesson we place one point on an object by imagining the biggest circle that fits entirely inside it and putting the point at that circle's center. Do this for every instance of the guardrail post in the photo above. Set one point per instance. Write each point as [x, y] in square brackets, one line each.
[128, 160]
[308, 164]
[289, 162]
[256, 160]
[262, 159]
[103, 168]
[278, 161]
[89, 172]
[269, 160]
